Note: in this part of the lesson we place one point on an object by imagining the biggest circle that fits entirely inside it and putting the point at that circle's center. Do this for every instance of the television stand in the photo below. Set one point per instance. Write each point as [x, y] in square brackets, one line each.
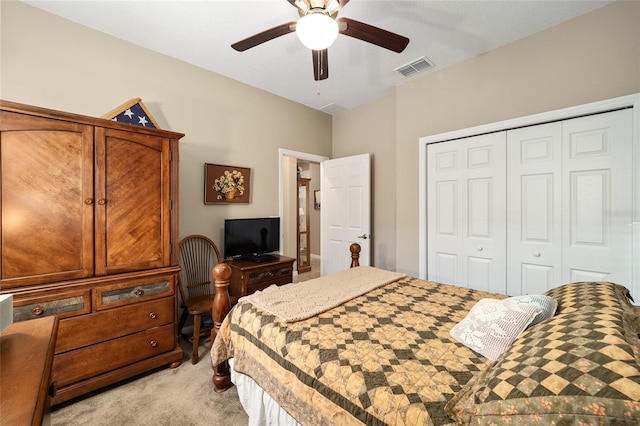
[259, 258]
[248, 277]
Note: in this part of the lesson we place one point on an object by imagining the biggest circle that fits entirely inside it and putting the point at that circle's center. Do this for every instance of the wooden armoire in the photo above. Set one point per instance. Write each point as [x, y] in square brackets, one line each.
[88, 232]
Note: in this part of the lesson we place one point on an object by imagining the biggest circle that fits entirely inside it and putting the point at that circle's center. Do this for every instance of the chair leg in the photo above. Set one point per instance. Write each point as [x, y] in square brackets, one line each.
[183, 319]
[196, 339]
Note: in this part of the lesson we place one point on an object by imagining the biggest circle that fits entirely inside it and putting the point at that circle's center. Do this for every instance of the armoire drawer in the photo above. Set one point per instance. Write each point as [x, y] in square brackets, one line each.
[124, 293]
[85, 330]
[62, 304]
[73, 366]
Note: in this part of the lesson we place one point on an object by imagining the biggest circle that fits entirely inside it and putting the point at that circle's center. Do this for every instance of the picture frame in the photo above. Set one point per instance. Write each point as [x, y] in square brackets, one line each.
[226, 184]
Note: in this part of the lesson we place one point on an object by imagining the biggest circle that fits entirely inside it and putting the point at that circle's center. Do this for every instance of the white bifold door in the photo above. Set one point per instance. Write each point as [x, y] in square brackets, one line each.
[569, 202]
[524, 210]
[466, 221]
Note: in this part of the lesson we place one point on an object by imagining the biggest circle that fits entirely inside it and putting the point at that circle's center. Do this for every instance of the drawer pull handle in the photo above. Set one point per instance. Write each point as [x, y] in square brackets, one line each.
[153, 343]
[88, 201]
[153, 315]
[53, 389]
[138, 292]
[38, 310]
[102, 201]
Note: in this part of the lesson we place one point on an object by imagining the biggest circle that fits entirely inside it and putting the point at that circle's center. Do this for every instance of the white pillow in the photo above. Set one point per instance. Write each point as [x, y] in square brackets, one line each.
[545, 304]
[492, 325]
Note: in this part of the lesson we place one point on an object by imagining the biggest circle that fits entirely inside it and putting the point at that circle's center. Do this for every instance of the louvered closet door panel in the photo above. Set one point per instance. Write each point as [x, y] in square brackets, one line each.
[484, 212]
[534, 208]
[444, 221]
[598, 198]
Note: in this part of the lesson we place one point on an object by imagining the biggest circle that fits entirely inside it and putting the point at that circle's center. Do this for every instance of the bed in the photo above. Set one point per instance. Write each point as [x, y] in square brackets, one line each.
[410, 351]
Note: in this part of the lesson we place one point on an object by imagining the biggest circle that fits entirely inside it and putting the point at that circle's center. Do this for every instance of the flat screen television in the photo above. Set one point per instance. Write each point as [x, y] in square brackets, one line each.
[252, 239]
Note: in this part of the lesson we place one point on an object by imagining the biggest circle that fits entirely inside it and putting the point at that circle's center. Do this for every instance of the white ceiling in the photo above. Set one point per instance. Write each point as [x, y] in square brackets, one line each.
[201, 32]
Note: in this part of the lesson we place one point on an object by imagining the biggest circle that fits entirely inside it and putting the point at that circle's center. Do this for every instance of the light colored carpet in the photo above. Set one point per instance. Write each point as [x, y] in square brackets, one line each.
[183, 396]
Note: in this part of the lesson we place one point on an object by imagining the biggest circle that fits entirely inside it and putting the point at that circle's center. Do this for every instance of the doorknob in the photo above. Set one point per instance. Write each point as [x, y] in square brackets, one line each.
[363, 236]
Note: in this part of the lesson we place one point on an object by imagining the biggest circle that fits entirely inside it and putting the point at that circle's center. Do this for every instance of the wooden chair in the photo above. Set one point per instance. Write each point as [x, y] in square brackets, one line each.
[198, 256]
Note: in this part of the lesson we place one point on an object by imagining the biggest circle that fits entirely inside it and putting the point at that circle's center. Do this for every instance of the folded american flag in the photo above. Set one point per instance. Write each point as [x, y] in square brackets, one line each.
[133, 112]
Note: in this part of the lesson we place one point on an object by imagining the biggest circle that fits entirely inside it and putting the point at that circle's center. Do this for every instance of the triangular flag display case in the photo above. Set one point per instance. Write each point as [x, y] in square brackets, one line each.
[133, 112]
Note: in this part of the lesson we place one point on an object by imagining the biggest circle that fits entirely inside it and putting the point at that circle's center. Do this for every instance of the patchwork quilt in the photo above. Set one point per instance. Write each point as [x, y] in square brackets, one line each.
[387, 358]
[384, 358]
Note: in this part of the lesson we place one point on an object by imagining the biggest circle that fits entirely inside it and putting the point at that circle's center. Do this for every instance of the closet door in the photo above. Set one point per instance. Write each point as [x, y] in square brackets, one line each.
[534, 208]
[598, 198]
[444, 221]
[467, 231]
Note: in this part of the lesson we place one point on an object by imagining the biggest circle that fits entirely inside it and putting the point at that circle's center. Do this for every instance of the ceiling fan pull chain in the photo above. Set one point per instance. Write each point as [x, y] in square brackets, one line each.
[319, 73]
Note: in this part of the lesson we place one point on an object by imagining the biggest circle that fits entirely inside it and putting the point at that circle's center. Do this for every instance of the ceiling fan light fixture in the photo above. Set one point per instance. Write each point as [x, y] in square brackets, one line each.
[316, 30]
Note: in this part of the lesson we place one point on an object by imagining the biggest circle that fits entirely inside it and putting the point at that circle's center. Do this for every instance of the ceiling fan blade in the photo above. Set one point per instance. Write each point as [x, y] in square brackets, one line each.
[371, 34]
[320, 64]
[264, 36]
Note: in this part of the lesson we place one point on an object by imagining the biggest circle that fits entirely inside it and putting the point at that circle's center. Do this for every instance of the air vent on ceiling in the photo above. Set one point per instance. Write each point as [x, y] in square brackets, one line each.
[332, 109]
[419, 65]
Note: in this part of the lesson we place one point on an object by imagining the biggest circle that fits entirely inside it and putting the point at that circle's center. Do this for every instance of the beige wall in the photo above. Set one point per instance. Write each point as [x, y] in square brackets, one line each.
[51, 62]
[371, 128]
[54, 63]
[590, 58]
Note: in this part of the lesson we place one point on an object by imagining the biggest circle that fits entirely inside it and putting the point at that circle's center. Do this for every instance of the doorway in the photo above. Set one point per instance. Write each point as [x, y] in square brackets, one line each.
[288, 194]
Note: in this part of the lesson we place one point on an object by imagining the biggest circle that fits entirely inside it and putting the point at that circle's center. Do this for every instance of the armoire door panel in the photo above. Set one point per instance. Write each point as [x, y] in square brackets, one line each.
[46, 192]
[132, 189]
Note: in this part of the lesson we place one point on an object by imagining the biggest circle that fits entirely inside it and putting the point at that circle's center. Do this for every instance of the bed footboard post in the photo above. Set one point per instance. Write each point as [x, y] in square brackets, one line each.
[355, 254]
[221, 307]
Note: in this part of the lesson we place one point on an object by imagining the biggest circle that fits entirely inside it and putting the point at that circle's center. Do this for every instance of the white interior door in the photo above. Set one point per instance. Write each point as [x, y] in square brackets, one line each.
[534, 208]
[598, 198]
[346, 211]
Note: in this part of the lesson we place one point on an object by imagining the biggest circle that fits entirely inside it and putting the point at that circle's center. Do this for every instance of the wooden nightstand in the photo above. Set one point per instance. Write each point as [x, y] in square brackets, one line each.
[248, 277]
[26, 357]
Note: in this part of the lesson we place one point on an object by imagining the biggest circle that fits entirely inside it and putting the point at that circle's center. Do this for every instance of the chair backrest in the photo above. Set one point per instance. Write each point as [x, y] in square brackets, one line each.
[198, 256]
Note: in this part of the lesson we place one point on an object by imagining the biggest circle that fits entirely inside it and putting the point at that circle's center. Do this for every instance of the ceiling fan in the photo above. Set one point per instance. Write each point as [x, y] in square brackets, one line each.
[318, 27]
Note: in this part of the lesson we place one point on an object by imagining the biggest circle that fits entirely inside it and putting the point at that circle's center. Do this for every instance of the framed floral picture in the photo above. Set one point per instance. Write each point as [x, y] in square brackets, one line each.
[226, 184]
